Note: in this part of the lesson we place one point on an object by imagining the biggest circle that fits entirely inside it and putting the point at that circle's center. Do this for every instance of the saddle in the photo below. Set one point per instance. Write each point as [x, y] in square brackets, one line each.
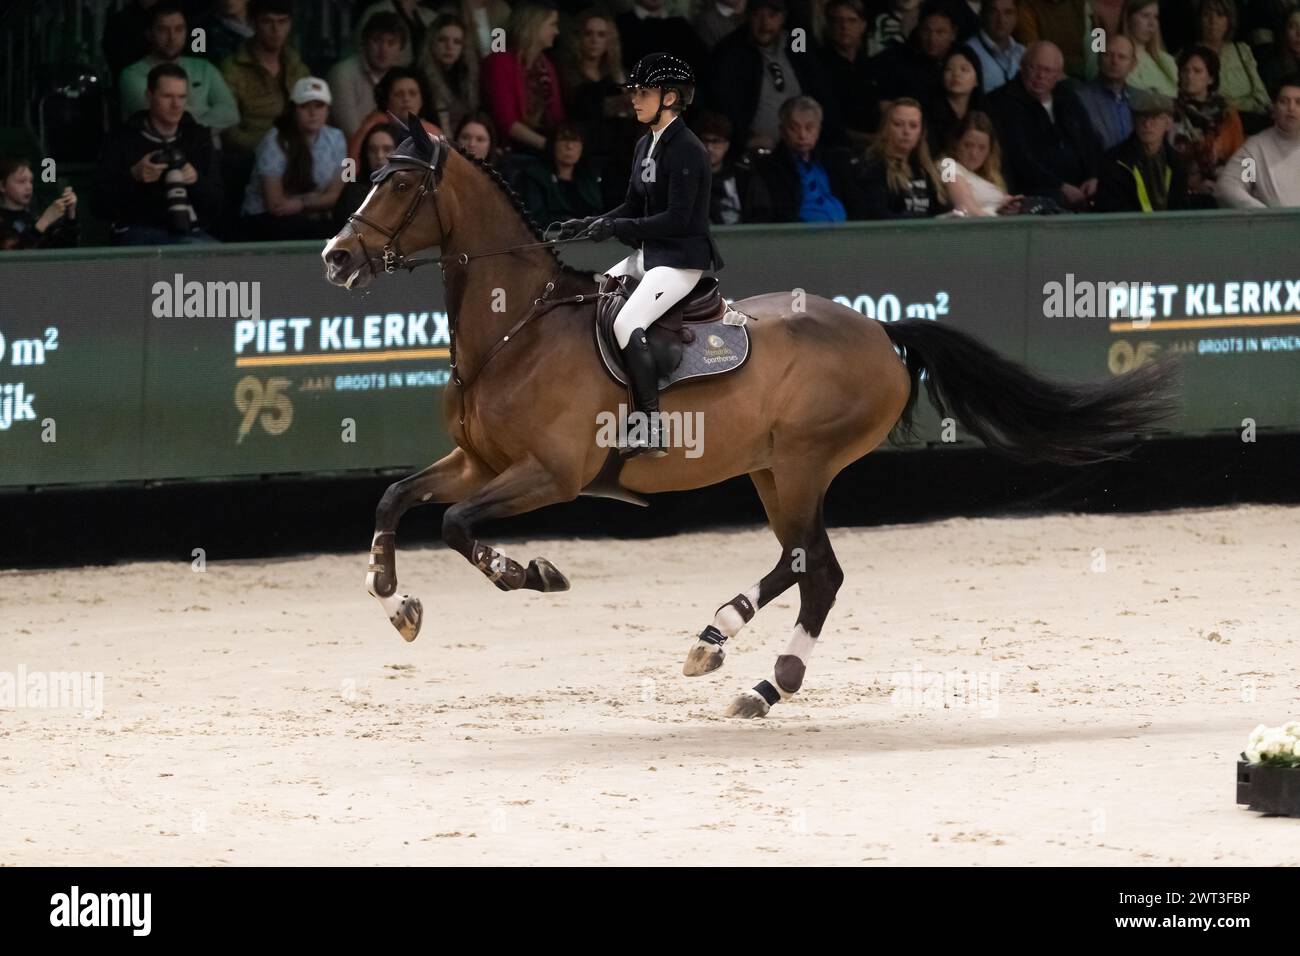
[699, 336]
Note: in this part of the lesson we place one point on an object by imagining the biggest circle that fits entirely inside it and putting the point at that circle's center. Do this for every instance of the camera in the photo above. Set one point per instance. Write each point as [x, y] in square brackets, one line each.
[180, 212]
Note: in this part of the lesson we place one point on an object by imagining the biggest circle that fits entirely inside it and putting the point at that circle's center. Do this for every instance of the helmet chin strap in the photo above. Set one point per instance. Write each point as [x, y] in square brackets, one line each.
[659, 112]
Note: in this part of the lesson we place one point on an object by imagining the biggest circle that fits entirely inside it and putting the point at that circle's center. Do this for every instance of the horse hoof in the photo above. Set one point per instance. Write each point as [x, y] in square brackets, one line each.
[748, 704]
[544, 576]
[702, 658]
[408, 617]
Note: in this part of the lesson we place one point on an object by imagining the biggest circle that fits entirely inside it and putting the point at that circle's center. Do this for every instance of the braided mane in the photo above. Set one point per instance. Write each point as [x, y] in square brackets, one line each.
[517, 203]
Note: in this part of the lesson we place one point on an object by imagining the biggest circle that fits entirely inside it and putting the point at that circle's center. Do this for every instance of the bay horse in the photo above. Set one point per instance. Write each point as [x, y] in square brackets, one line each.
[823, 386]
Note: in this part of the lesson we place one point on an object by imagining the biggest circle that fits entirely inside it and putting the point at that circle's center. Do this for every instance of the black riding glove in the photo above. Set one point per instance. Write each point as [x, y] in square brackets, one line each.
[571, 227]
[601, 229]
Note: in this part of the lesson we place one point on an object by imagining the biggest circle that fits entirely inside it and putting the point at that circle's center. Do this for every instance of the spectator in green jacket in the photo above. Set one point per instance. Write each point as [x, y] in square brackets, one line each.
[261, 73]
[210, 101]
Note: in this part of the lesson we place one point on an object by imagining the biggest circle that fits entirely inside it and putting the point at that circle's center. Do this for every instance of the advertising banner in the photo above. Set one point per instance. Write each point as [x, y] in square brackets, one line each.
[241, 361]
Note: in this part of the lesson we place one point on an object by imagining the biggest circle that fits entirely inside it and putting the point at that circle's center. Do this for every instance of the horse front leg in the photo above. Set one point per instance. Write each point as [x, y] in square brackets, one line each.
[452, 478]
[524, 486]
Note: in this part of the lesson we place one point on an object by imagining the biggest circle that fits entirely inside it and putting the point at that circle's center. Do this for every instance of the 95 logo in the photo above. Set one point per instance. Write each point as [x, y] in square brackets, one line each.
[266, 405]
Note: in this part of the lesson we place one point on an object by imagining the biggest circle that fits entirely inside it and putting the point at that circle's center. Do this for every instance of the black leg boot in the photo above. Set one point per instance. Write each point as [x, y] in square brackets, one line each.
[640, 365]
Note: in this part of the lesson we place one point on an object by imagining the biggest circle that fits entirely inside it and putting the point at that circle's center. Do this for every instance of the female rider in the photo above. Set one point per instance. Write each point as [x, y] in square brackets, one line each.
[666, 217]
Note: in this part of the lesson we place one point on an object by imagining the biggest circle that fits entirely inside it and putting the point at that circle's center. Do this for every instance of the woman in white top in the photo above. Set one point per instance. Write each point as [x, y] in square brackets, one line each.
[297, 173]
[1156, 70]
[972, 168]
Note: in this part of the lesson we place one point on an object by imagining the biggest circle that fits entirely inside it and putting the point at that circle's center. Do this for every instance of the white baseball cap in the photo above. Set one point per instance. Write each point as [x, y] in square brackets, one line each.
[311, 89]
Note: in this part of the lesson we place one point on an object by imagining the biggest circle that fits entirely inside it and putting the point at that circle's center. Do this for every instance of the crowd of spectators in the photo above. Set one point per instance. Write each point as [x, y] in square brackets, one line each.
[811, 110]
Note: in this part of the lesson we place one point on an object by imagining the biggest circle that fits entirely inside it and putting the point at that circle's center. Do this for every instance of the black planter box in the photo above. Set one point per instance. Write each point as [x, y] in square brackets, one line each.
[1267, 789]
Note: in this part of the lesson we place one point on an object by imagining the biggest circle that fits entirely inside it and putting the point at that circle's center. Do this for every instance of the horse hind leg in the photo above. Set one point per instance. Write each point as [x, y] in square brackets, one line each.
[709, 650]
[819, 576]
[817, 592]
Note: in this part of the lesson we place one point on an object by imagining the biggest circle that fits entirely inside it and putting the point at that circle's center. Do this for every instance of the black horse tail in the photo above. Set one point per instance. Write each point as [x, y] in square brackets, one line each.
[1023, 415]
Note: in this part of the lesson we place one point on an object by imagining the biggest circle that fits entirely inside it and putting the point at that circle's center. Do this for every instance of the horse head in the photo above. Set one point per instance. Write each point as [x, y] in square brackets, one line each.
[380, 236]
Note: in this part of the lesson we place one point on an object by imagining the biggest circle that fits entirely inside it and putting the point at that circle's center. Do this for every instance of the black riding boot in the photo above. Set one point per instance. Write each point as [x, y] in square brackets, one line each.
[640, 365]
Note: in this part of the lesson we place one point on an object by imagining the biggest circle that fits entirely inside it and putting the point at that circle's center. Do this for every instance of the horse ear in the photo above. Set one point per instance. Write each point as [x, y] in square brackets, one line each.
[399, 124]
[419, 135]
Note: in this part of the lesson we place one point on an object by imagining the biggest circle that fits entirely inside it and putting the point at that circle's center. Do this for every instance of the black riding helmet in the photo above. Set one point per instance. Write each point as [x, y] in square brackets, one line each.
[661, 71]
[664, 72]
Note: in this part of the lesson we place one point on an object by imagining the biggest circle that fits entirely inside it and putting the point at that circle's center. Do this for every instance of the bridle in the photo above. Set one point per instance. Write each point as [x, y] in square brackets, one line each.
[391, 257]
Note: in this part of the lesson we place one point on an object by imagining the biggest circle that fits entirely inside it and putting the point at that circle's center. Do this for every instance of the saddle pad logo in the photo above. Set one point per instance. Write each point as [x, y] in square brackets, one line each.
[718, 350]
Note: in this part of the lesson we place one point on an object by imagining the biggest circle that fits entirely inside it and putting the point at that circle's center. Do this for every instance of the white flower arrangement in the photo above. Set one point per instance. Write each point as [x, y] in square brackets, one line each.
[1274, 746]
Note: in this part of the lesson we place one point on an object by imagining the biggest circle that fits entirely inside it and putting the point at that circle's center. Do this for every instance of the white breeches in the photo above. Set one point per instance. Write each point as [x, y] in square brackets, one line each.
[659, 288]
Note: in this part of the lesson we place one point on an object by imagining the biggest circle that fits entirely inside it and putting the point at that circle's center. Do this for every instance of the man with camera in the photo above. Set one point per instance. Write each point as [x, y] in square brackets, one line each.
[156, 181]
